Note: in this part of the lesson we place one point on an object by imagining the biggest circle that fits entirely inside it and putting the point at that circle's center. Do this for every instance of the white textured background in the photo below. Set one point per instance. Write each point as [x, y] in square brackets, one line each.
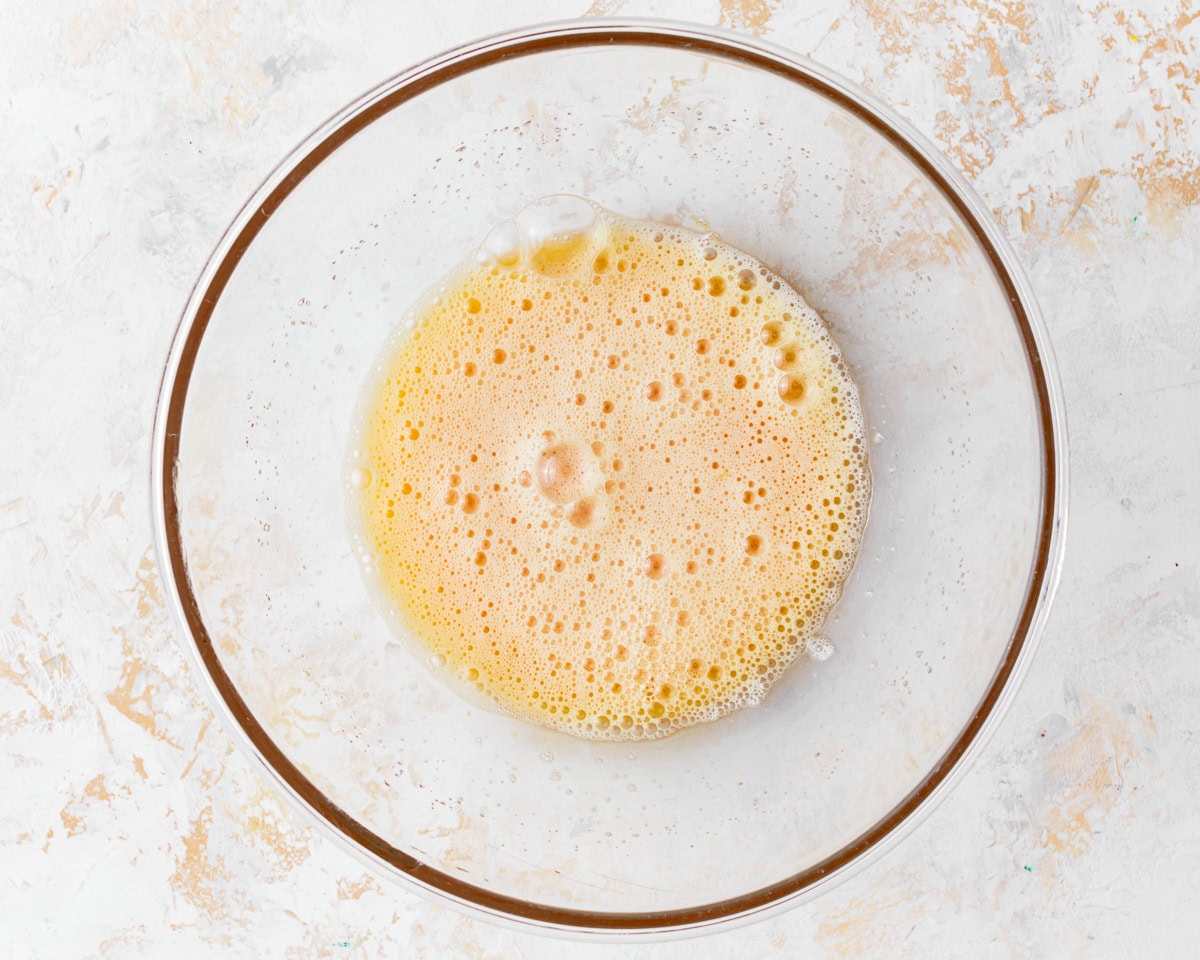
[129, 135]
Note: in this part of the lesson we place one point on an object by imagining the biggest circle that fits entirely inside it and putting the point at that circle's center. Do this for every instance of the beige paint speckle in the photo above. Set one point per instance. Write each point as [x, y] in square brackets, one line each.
[198, 874]
[348, 889]
[753, 16]
[1088, 774]
[269, 827]
[866, 924]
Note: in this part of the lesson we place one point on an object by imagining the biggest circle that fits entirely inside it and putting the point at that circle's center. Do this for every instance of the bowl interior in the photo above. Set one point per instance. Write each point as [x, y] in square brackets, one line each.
[755, 806]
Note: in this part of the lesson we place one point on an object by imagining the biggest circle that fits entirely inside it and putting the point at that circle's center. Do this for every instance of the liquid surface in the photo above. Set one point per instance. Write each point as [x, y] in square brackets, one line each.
[613, 477]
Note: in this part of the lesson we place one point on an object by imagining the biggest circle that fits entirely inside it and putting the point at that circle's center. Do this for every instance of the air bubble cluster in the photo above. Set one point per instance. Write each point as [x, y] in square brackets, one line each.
[612, 477]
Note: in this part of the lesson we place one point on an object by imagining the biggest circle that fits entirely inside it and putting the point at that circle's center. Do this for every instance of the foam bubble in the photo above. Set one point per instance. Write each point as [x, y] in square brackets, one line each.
[587, 512]
[567, 471]
[818, 648]
[790, 388]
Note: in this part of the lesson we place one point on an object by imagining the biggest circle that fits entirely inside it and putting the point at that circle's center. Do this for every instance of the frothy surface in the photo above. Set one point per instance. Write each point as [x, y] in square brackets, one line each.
[614, 476]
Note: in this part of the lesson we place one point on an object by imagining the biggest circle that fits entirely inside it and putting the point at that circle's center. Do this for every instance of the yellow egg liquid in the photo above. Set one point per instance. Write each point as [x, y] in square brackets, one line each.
[610, 479]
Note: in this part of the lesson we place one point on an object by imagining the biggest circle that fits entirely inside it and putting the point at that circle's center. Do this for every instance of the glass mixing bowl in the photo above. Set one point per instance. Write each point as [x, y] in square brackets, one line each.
[722, 821]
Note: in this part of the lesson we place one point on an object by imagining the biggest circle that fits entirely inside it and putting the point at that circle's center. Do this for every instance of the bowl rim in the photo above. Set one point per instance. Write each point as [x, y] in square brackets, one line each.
[353, 836]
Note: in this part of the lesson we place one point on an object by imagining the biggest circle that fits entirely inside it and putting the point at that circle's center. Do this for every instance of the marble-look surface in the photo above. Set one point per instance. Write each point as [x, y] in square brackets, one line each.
[129, 135]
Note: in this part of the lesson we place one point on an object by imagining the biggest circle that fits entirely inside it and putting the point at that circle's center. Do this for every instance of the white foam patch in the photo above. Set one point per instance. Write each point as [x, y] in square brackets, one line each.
[554, 218]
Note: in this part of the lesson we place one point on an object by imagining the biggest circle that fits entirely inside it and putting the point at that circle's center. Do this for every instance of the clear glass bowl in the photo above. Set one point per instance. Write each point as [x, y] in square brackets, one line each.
[723, 821]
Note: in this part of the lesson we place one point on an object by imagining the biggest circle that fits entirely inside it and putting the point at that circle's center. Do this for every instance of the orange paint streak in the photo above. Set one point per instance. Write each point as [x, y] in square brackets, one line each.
[198, 875]
[133, 696]
[355, 889]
